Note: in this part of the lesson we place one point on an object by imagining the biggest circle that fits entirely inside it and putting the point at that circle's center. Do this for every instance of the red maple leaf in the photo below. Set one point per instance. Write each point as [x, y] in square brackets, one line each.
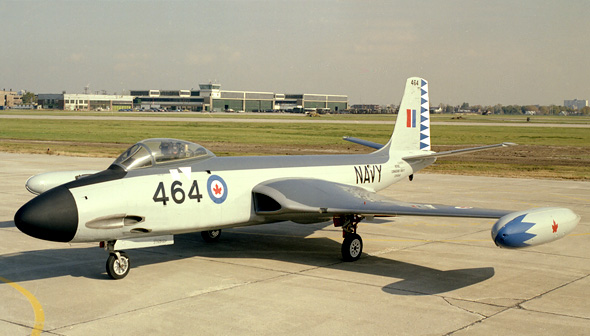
[554, 226]
[217, 190]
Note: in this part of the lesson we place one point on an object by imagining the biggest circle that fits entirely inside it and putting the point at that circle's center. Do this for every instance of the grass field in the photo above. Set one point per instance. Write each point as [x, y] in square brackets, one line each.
[291, 116]
[544, 152]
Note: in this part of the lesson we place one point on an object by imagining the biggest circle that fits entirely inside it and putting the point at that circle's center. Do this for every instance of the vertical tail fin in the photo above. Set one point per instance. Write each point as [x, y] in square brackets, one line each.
[412, 128]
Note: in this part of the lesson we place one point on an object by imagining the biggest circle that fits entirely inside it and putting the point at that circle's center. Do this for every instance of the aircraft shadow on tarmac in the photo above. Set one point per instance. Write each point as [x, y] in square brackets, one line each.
[268, 242]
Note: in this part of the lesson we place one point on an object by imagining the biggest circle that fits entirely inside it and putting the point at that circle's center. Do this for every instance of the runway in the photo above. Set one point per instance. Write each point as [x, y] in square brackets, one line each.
[418, 275]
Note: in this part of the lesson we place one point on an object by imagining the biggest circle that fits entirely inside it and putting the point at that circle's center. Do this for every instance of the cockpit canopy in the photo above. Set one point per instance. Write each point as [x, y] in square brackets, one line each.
[150, 152]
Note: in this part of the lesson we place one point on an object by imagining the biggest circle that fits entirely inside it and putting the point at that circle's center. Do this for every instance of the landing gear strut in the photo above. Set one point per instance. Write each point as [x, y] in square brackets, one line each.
[352, 246]
[118, 264]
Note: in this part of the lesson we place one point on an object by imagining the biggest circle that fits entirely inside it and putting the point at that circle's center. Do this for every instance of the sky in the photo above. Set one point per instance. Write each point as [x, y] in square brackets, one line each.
[481, 52]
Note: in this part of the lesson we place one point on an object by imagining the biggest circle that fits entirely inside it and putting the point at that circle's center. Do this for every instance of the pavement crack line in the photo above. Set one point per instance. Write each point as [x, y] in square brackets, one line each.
[519, 306]
[160, 304]
[26, 326]
[215, 290]
[305, 271]
[462, 308]
[477, 322]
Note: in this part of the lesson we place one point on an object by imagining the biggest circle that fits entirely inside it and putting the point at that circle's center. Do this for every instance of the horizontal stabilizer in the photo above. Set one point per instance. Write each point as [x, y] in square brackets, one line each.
[457, 151]
[366, 143]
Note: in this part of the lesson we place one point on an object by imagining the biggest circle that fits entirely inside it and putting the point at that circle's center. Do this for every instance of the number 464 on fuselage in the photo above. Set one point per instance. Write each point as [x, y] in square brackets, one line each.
[161, 187]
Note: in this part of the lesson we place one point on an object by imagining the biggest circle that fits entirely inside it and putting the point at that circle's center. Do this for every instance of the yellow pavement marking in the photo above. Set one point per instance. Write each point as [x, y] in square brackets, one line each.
[37, 308]
[580, 234]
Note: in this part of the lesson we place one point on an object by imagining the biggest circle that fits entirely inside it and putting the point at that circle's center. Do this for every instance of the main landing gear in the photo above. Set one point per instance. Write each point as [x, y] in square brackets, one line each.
[352, 246]
[211, 236]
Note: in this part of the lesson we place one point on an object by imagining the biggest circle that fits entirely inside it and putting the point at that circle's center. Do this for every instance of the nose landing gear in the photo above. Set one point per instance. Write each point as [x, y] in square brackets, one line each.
[118, 264]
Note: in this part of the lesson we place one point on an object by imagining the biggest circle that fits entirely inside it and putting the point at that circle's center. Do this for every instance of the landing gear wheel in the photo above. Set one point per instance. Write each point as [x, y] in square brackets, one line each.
[211, 236]
[352, 247]
[118, 266]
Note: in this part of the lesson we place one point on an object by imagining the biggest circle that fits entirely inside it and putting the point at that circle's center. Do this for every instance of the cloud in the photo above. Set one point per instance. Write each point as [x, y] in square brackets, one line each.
[76, 57]
[234, 56]
[219, 54]
[386, 38]
[131, 61]
[199, 58]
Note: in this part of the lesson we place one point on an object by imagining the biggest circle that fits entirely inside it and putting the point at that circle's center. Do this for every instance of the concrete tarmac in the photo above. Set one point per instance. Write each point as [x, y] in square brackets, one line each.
[418, 275]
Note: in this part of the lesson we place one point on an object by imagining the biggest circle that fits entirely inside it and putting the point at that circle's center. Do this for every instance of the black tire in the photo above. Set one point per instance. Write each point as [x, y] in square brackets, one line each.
[352, 247]
[211, 236]
[117, 270]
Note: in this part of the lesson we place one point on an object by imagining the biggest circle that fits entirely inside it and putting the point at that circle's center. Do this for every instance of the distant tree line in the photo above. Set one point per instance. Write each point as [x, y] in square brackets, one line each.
[479, 109]
[29, 98]
[514, 109]
[372, 109]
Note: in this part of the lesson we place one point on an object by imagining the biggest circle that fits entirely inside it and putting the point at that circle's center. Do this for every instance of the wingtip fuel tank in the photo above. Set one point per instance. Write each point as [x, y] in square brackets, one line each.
[533, 227]
[40, 183]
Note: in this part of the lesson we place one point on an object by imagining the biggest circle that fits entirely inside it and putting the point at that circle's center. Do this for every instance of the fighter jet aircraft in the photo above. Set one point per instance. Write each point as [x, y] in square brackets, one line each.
[162, 187]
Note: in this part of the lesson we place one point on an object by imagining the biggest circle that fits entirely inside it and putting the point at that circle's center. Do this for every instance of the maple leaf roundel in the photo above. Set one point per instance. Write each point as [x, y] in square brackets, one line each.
[217, 189]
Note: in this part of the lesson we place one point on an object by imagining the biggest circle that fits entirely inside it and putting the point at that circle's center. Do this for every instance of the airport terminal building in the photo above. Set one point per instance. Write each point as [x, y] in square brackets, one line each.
[209, 98]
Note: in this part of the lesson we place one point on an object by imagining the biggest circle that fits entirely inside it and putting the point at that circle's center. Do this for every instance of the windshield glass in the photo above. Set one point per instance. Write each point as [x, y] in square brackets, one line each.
[135, 157]
[151, 152]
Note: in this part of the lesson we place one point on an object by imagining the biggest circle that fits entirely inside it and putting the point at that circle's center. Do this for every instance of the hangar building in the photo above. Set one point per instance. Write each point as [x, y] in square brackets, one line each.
[84, 102]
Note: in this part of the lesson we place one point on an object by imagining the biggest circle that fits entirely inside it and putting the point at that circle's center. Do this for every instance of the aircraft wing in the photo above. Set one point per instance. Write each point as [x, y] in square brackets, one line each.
[303, 200]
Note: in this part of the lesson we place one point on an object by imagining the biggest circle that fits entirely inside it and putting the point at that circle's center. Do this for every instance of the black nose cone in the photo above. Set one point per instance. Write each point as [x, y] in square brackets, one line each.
[52, 215]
